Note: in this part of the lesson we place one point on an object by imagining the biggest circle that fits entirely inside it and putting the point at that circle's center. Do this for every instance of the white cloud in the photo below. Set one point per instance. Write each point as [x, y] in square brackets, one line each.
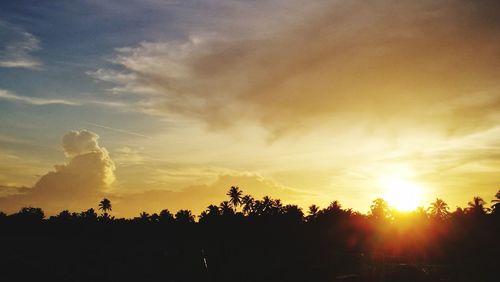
[80, 142]
[36, 101]
[7, 95]
[16, 47]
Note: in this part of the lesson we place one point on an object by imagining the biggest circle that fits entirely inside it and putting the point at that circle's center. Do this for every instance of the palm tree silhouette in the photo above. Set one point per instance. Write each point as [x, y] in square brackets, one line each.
[247, 201]
[496, 206]
[234, 194]
[184, 216]
[211, 212]
[476, 206]
[267, 205]
[226, 209]
[439, 209]
[144, 216]
[313, 210]
[335, 206]
[105, 206]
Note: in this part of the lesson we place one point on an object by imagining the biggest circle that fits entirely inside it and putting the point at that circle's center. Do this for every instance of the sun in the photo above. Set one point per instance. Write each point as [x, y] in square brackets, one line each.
[401, 193]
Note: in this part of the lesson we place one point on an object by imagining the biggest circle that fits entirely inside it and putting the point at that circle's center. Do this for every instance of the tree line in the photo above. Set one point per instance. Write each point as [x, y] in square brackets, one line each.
[248, 239]
[241, 206]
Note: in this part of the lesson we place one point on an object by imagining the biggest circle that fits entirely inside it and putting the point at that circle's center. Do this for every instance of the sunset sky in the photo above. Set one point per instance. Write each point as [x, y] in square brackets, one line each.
[166, 104]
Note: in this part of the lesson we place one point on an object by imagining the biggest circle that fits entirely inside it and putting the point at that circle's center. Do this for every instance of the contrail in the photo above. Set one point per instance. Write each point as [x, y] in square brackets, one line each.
[119, 130]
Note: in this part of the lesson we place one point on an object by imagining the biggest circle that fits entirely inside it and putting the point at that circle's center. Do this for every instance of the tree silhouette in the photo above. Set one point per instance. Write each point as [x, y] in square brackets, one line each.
[334, 206]
[64, 216]
[105, 206]
[212, 212]
[235, 194]
[313, 212]
[293, 213]
[247, 201]
[379, 209]
[184, 216]
[154, 217]
[89, 215]
[144, 216]
[226, 209]
[421, 211]
[266, 207]
[30, 214]
[439, 209]
[476, 206]
[334, 240]
[166, 216]
[495, 207]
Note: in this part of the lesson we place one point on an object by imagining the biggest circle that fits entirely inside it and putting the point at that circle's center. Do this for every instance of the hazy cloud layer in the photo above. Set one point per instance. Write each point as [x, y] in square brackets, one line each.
[349, 63]
[198, 197]
[89, 173]
[75, 185]
[16, 46]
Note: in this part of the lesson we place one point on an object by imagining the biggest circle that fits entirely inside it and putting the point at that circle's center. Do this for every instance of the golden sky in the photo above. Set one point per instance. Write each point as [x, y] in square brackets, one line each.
[308, 102]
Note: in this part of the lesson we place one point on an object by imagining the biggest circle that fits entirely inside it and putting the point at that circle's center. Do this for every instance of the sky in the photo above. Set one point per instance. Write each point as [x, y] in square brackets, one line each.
[166, 104]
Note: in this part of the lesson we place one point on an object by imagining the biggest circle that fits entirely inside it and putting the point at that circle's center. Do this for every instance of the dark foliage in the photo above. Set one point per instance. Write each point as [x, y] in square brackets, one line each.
[247, 239]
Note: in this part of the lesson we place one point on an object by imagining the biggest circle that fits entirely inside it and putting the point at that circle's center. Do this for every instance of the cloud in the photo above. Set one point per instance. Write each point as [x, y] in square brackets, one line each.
[7, 95]
[36, 101]
[198, 197]
[79, 143]
[16, 46]
[89, 173]
[7, 190]
[76, 185]
[336, 63]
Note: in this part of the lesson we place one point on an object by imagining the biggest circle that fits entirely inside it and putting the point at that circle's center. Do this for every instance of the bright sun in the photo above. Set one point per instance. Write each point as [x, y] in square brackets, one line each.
[400, 193]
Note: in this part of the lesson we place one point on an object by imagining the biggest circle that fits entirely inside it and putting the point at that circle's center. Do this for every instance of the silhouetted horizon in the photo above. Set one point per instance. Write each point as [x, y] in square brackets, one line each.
[262, 238]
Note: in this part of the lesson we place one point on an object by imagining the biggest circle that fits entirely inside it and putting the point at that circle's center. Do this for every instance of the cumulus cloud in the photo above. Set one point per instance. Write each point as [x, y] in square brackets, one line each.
[80, 142]
[76, 185]
[16, 46]
[386, 63]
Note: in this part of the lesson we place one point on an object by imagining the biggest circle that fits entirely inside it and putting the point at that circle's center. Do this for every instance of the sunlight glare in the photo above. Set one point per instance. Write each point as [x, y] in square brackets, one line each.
[400, 193]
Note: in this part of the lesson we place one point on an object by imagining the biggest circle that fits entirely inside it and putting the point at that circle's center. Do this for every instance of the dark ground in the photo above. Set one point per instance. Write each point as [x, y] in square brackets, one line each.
[336, 248]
